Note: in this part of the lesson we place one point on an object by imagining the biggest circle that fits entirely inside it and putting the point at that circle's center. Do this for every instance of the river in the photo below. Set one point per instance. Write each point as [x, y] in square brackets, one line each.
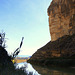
[38, 70]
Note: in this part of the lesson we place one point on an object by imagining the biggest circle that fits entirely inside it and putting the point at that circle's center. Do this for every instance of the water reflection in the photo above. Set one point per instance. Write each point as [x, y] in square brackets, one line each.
[45, 70]
[27, 68]
[54, 71]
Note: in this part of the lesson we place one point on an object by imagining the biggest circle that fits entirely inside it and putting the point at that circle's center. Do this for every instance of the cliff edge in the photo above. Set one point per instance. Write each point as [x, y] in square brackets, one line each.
[62, 29]
[61, 18]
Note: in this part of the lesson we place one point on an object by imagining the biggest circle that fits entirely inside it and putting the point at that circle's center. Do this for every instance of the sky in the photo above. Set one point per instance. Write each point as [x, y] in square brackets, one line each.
[25, 18]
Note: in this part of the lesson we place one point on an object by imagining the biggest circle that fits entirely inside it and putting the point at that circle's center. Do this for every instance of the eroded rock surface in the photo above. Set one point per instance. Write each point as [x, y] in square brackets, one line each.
[62, 29]
[61, 18]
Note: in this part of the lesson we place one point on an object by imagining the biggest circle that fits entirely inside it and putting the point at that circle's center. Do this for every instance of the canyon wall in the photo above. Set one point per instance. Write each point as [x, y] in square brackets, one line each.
[62, 29]
[61, 18]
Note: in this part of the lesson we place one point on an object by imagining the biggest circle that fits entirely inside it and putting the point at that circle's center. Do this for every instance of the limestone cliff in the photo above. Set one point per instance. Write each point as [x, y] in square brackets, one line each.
[62, 29]
[61, 18]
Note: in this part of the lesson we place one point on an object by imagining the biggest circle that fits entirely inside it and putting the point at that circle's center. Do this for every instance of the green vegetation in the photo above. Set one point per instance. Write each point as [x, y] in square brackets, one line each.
[6, 65]
[10, 69]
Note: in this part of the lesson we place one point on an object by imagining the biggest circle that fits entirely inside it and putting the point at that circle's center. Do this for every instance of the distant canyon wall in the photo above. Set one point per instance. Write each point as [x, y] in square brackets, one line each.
[61, 18]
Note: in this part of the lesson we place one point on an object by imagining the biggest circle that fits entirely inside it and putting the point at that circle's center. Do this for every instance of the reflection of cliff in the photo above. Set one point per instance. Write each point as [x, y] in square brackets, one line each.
[61, 18]
[54, 71]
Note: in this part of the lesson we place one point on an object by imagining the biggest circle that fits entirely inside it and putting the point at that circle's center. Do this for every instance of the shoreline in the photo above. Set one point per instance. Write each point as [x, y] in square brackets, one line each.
[54, 62]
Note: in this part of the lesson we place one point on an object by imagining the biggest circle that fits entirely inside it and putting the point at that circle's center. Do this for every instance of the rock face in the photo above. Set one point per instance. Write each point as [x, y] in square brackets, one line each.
[57, 53]
[61, 18]
[63, 47]
[62, 28]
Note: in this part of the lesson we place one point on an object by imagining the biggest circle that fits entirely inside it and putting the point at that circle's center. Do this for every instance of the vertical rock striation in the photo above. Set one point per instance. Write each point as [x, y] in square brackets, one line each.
[62, 29]
[61, 18]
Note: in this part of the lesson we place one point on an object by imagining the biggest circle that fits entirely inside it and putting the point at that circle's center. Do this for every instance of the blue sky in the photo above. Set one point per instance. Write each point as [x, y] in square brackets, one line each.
[25, 18]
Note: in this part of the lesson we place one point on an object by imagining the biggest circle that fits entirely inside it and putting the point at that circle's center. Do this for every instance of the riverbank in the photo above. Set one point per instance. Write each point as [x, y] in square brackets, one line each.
[6, 65]
[20, 60]
[57, 62]
[10, 69]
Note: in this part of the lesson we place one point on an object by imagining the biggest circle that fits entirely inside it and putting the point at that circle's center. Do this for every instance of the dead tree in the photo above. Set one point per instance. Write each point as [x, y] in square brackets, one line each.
[16, 52]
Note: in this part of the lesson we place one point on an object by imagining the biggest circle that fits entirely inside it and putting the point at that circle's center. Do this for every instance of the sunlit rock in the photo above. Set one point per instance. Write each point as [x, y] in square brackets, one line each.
[61, 18]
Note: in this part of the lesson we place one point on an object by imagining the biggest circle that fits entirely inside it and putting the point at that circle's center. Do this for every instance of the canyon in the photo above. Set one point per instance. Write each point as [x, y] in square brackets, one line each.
[62, 31]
